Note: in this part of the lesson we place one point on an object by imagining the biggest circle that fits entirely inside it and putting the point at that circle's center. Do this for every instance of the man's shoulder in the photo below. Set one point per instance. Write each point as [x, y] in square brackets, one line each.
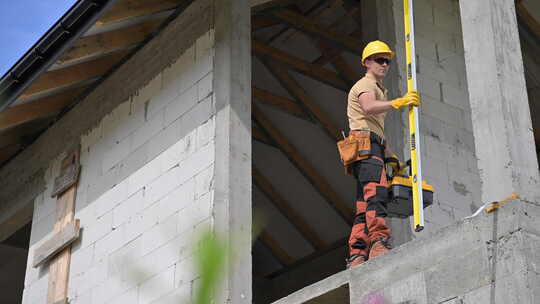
[364, 83]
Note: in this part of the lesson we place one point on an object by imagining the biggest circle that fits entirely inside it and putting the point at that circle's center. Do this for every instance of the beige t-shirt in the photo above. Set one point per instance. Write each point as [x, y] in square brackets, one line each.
[357, 119]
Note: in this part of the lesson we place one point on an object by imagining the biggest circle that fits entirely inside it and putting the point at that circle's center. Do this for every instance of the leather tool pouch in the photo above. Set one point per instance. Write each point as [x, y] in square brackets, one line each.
[354, 148]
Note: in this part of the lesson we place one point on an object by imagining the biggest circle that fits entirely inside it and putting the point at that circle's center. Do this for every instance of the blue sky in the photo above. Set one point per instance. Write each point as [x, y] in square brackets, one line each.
[22, 23]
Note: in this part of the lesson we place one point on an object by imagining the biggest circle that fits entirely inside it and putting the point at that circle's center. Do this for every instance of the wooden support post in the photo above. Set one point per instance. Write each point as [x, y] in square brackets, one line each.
[65, 189]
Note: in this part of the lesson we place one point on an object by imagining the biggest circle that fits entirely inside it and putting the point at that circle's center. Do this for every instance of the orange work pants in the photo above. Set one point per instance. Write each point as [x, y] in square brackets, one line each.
[371, 199]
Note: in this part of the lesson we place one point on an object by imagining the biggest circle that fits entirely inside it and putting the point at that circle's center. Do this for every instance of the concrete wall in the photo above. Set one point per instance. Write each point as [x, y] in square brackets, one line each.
[147, 182]
[492, 258]
[448, 151]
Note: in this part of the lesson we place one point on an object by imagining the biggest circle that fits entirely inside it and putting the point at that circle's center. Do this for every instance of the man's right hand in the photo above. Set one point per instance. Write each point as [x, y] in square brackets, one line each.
[412, 98]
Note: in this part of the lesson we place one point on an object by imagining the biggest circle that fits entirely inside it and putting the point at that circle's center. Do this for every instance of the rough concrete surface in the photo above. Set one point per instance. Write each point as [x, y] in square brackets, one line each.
[491, 258]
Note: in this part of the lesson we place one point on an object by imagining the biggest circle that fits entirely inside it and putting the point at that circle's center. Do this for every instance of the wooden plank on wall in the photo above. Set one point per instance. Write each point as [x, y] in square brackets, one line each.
[57, 243]
[126, 9]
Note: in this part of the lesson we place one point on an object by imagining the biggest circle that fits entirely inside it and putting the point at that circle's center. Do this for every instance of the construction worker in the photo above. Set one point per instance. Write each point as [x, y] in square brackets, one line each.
[366, 110]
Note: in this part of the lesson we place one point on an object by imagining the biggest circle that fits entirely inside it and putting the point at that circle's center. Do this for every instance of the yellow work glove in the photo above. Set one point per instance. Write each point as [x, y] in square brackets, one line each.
[412, 98]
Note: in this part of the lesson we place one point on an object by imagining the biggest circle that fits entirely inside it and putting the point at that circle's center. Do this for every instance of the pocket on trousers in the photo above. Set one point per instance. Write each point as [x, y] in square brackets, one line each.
[369, 170]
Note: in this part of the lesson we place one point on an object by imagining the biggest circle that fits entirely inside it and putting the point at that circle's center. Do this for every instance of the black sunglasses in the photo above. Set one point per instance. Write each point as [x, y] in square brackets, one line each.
[382, 60]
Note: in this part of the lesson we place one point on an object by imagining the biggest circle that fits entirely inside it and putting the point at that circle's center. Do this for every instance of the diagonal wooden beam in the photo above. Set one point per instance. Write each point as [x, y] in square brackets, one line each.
[312, 27]
[314, 71]
[527, 18]
[258, 135]
[282, 103]
[260, 22]
[6, 153]
[296, 90]
[126, 9]
[319, 182]
[107, 42]
[277, 251]
[71, 75]
[346, 72]
[258, 6]
[331, 53]
[23, 134]
[44, 107]
[285, 208]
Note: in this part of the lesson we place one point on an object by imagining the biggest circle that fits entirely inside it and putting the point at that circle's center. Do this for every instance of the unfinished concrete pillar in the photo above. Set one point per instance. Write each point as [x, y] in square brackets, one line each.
[500, 110]
[232, 91]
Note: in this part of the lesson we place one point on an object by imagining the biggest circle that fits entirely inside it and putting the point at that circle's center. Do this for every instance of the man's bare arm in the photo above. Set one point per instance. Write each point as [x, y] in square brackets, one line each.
[371, 106]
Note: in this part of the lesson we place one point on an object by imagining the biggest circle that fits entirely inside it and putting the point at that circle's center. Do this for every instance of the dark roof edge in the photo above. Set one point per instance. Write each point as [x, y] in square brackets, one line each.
[46, 51]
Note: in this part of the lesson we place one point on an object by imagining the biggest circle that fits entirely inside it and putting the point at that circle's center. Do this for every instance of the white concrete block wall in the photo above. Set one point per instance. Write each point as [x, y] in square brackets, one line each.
[145, 191]
[448, 156]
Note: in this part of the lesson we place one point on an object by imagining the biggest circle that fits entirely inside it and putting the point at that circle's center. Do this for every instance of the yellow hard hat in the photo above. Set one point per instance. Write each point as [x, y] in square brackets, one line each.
[376, 47]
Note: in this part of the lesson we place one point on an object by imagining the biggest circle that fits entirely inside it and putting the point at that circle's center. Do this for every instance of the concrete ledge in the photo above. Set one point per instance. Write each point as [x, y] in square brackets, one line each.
[486, 259]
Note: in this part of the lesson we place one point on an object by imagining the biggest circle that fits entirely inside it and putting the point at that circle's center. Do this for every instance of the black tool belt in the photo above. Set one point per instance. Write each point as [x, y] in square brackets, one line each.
[378, 145]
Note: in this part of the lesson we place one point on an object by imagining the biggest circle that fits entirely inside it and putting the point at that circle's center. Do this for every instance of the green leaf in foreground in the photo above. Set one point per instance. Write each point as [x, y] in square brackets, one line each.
[210, 262]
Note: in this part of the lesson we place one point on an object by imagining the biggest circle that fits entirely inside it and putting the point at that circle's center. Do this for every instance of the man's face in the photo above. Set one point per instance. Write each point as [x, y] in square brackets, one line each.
[378, 64]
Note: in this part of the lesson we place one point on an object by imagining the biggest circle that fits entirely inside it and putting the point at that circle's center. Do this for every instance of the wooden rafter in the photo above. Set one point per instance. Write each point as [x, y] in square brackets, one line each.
[24, 133]
[314, 71]
[313, 28]
[73, 74]
[126, 9]
[259, 22]
[344, 69]
[258, 135]
[277, 251]
[258, 6]
[36, 109]
[107, 42]
[331, 53]
[296, 90]
[7, 152]
[282, 103]
[527, 18]
[318, 181]
[285, 208]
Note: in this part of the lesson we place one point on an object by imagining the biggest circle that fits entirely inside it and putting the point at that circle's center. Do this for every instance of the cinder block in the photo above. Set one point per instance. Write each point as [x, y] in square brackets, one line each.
[425, 49]
[81, 260]
[456, 97]
[204, 55]
[42, 230]
[112, 197]
[206, 132]
[428, 87]
[178, 77]
[171, 156]
[146, 93]
[112, 123]
[178, 295]
[128, 208]
[131, 296]
[111, 242]
[204, 181]
[161, 186]
[451, 115]
[176, 200]
[159, 234]
[445, 16]
[143, 176]
[181, 104]
[185, 272]
[92, 137]
[116, 152]
[149, 129]
[195, 213]
[126, 256]
[157, 286]
[195, 163]
[205, 86]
